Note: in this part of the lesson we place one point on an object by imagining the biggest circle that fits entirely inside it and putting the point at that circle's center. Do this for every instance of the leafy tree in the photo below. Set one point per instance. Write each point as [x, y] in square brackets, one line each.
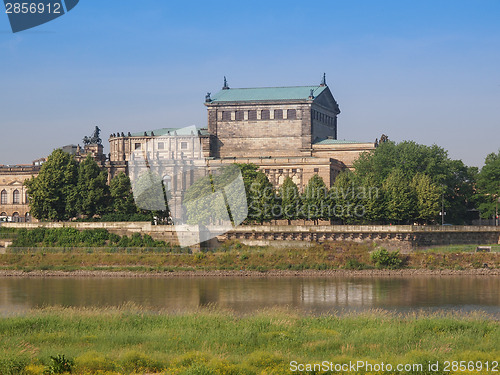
[93, 191]
[53, 194]
[315, 200]
[121, 195]
[400, 197]
[411, 158]
[290, 199]
[428, 198]
[262, 201]
[371, 197]
[150, 195]
[488, 184]
[217, 197]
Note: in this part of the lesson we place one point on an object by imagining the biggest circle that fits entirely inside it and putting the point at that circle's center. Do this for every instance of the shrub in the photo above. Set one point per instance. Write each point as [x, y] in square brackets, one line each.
[60, 364]
[354, 264]
[384, 259]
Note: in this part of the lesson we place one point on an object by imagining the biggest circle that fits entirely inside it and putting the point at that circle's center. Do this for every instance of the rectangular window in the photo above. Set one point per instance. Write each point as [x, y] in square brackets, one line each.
[184, 145]
[240, 115]
[252, 115]
[226, 116]
[265, 115]
[161, 146]
[294, 171]
[316, 170]
[278, 114]
[280, 171]
[137, 146]
[291, 114]
[267, 171]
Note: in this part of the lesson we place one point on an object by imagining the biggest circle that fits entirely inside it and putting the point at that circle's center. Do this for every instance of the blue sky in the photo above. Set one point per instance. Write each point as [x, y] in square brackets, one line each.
[424, 70]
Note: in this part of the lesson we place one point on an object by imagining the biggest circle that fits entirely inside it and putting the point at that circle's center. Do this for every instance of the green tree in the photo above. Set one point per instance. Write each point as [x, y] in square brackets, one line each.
[400, 197]
[53, 194]
[121, 195]
[262, 200]
[315, 200]
[411, 158]
[372, 203]
[290, 199]
[93, 192]
[488, 184]
[150, 195]
[344, 198]
[428, 198]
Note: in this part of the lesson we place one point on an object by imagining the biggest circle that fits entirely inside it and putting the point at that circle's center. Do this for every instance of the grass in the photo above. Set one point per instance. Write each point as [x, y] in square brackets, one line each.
[131, 340]
[234, 256]
[459, 249]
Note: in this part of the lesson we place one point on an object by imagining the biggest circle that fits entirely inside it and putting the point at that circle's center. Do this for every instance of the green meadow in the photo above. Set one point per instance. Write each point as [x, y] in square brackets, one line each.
[130, 340]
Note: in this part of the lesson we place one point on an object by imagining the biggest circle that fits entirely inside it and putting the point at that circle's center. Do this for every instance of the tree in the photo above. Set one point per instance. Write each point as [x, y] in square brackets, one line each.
[315, 202]
[53, 193]
[488, 184]
[150, 195]
[428, 198]
[400, 197]
[262, 201]
[93, 192]
[290, 199]
[411, 158]
[217, 198]
[343, 197]
[122, 199]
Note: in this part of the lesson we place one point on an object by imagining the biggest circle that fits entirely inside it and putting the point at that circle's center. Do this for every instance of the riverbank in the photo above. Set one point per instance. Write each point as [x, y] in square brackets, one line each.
[131, 340]
[236, 259]
[254, 274]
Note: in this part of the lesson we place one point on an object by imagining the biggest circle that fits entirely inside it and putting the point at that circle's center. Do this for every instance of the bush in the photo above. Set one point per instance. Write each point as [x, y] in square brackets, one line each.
[354, 264]
[384, 259]
[60, 364]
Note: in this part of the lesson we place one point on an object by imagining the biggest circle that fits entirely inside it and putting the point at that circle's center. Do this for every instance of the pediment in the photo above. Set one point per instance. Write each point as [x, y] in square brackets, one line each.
[15, 183]
[327, 100]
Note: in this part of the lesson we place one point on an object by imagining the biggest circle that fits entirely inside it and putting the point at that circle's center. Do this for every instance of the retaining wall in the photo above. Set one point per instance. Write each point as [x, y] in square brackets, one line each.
[403, 237]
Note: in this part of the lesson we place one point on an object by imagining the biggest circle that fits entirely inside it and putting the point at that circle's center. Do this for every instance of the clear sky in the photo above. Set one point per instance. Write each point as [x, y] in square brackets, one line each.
[427, 71]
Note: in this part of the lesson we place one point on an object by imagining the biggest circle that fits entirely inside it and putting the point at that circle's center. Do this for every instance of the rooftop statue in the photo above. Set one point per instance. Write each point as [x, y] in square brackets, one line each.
[94, 139]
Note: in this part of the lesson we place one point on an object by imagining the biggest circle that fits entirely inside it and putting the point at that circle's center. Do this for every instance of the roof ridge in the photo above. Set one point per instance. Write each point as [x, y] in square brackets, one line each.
[271, 87]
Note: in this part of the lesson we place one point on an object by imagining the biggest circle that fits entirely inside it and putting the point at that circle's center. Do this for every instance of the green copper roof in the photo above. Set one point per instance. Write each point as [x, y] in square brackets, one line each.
[334, 142]
[267, 94]
[170, 131]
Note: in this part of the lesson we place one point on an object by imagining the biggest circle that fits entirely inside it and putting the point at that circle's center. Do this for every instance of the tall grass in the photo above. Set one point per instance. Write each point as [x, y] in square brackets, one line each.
[130, 340]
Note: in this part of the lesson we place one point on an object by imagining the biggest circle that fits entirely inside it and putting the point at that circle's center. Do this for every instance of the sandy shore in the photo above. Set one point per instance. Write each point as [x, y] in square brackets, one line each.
[307, 273]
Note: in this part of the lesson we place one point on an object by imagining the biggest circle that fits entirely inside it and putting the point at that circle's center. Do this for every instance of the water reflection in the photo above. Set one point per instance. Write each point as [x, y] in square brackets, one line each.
[244, 295]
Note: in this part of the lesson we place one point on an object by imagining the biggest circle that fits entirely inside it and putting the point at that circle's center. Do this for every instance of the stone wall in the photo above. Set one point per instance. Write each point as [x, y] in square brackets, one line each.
[397, 237]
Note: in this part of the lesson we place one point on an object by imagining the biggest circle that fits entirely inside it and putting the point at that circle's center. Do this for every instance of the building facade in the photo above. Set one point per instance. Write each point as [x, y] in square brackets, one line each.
[285, 131]
[14, 204]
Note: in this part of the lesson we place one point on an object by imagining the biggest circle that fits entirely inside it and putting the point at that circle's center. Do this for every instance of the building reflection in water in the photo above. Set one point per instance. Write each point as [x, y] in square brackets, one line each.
[244, 295]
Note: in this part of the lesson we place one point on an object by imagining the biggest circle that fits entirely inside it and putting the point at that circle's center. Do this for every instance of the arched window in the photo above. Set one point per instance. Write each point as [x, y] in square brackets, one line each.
[3, 198]
[264, 115]
[15, 197]
[291, 114]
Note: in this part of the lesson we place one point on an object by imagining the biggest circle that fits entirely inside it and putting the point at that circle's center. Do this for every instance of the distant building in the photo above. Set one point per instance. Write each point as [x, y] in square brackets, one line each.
[286, 131]
[14, 204]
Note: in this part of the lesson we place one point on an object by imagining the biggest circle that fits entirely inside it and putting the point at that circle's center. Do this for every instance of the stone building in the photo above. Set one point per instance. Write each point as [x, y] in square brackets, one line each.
[14, 205]
[286, 131]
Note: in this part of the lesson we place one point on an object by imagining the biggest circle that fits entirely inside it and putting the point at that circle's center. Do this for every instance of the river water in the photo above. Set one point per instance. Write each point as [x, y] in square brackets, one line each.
[311, 295]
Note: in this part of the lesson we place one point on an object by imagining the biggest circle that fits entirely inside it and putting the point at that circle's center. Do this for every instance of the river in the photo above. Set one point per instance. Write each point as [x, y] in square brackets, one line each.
[311, 295]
